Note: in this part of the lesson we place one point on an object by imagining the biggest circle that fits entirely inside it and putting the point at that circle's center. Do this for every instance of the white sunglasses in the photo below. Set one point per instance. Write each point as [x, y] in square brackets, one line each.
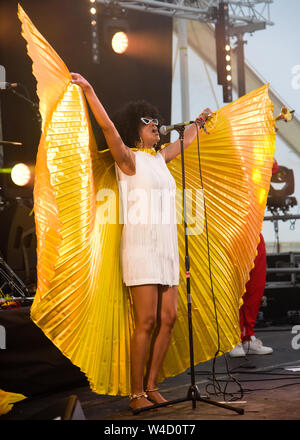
[147, 121]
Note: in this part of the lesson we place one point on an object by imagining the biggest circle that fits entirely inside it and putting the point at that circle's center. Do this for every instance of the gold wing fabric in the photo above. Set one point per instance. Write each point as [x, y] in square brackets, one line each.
[7, 400]
[236, 159]
[81, 303]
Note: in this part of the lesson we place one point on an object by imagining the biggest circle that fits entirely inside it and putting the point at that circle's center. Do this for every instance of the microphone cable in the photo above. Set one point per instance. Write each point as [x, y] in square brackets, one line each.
[216, 385]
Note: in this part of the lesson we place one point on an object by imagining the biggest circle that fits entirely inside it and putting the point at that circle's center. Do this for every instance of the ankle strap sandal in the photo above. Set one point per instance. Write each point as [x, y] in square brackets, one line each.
[138, 396]
[153, 390]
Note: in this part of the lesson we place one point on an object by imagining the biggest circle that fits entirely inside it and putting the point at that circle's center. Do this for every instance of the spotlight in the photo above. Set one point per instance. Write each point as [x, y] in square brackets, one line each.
[119, 42]
[116, 34]
[93, 11]
[281, 198]
[21, 174]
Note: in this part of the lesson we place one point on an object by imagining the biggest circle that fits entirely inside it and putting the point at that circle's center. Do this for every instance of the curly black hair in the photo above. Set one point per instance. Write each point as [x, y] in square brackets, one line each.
[127, 120]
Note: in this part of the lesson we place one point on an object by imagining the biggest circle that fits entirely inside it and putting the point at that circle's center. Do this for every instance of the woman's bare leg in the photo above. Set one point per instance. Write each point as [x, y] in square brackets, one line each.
[167, 313]
[145, 299]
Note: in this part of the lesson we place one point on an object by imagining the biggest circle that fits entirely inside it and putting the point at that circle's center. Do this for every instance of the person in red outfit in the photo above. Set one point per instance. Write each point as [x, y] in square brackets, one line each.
[255, 288]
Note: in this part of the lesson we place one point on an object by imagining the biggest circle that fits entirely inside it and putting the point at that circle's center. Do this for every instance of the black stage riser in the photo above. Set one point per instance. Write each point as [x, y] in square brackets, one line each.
[30, 364]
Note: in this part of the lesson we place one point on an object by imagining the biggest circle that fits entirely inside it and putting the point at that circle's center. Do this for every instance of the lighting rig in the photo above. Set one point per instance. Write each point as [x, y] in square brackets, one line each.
[280, 197]
[280, 200]
[94, 33]
[111, 19]
[223, 51]
[232, 19]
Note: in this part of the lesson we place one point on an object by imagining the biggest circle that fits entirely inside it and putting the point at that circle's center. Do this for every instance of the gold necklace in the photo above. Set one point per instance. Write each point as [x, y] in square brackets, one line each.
[146, 150]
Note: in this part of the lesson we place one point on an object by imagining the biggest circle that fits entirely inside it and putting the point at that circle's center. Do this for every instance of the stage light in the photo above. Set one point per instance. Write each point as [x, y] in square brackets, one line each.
[21, 174]
[227, 86]
[116, 32]
[223, 50]
[119, 42]
[94, 35]
[281, 198]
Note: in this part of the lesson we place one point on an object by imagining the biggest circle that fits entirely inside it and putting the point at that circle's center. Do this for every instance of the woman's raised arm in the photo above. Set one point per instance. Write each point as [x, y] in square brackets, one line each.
[123, 156]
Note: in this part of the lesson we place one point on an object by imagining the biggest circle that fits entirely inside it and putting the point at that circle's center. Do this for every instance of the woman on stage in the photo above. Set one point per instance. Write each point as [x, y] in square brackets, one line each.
[149, 250]
[82, 303]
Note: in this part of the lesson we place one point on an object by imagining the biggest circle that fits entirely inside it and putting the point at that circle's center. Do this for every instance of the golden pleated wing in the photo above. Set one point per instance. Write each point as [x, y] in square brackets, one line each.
[7, 400]
[227, 182]
[81, 303]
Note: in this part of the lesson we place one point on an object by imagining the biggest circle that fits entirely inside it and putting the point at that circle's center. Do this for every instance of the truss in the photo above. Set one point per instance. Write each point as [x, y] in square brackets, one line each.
[245, 16]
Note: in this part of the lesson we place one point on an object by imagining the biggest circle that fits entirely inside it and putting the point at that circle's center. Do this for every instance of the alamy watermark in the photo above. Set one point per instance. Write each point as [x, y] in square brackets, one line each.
[296, 339]
[2, 77]
[295, 343]
[2, 337]
[295, 77]
[140, 206]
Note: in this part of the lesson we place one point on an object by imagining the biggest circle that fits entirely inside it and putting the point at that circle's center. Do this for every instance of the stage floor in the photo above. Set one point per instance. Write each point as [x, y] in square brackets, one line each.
[270, 390]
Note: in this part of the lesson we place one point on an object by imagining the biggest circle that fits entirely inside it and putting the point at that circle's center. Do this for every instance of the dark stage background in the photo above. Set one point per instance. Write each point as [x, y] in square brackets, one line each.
[30, 364]
[143, 72]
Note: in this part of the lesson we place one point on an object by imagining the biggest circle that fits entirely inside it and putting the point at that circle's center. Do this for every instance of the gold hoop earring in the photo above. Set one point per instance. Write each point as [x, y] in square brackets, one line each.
[140, 141]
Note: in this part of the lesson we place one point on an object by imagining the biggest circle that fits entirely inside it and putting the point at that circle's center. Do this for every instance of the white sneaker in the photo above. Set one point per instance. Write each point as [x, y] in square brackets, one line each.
[238, 351]
[255, 346]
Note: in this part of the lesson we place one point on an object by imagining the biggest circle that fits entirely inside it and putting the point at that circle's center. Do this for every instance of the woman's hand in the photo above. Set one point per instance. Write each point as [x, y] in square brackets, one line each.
[174, 149]
[205, 114]
[124, 157]
[80, 81]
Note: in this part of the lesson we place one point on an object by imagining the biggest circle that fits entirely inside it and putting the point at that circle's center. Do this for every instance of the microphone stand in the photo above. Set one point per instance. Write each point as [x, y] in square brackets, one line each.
[34, 105]
[193, 393]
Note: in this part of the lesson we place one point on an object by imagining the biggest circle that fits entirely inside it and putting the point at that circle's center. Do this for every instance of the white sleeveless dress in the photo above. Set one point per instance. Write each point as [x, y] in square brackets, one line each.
[149, 246]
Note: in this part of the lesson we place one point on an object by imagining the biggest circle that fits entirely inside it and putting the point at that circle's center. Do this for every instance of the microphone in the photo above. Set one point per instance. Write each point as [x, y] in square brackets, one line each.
[8, 85]
[165, 129]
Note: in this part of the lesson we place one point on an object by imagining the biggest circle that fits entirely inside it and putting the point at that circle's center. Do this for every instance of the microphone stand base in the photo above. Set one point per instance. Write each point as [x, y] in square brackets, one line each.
[193, 396]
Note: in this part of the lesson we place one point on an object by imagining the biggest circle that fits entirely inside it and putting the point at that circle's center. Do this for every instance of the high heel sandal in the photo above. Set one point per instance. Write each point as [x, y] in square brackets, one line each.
[138, 397]
[153, 390]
